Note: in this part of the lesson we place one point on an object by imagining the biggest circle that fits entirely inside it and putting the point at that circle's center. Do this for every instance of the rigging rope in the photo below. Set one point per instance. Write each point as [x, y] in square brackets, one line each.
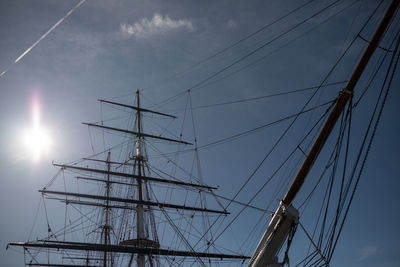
[249, 54]
[332, 235]
[267, 181]
[262, 97]
[391, 72]
[287, 129]
[340, 199]
[256, 61]
[313, 243]
[234, 44]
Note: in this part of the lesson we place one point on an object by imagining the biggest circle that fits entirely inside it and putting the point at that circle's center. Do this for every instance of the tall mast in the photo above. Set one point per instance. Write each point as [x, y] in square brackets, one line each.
[107, 209]
[140, 216]
[284, 217]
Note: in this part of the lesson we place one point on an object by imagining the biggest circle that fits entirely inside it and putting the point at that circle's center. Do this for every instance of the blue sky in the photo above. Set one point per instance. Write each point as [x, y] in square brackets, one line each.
[109, 49]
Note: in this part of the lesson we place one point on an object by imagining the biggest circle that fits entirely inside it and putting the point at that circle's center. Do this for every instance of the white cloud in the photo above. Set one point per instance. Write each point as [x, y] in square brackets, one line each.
[366, 252]
[157, 25]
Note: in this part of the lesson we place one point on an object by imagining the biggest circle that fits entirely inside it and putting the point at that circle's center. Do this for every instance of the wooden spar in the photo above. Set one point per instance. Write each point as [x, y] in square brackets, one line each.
[127, 175]
[102, 180]
[136, 133]
[137, 108]
[110, 162]
[132, 201]
[124, 249]
[339, 106]
[94, 204]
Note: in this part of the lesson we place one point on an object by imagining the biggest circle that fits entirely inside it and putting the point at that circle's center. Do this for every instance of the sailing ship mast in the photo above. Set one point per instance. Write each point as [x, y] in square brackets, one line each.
[266, 253]
[139, 165]
[145, 248]
[107, 226]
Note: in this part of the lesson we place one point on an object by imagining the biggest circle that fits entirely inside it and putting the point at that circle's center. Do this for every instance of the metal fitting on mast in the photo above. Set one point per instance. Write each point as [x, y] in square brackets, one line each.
[274, 237]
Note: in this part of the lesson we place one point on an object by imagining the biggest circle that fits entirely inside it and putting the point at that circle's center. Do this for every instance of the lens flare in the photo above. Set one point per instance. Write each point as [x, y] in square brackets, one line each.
[36, 140]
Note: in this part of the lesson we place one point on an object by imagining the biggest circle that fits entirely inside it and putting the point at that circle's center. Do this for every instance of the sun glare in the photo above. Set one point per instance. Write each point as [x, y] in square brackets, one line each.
[36, 140]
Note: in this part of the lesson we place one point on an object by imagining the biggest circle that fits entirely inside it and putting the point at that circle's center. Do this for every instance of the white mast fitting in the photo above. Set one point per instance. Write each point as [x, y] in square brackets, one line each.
[274, 237]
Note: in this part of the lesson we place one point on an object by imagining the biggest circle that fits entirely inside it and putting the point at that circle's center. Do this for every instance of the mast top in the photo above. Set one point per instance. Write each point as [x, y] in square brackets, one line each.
[137, 108]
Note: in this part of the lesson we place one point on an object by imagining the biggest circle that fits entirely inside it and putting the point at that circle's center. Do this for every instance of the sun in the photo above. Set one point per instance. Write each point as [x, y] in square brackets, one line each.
[37, 142]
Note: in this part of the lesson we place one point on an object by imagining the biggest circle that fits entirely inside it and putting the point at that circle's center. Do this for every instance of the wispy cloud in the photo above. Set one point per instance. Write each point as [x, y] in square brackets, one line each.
[157, 25]
[366, 252]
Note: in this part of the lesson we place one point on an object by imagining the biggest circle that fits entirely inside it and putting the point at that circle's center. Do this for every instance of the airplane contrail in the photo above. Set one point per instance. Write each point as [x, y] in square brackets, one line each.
[44, 35]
